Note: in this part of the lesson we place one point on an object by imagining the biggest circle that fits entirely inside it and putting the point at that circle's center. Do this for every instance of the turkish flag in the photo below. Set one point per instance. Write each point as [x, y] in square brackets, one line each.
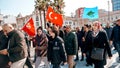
[49, 12]
[54, 17]
[29, 28]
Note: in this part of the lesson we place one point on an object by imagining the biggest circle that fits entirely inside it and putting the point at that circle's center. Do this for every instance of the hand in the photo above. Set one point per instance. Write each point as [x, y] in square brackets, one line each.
[83, 39]
[84, 54]
[110, 57]
[37, 47]
[110, 42]
[65, 63]
[9, 63]
[4, 52]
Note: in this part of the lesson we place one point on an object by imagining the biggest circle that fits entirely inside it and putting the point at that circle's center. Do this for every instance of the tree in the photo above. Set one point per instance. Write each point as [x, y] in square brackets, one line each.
[42, 6]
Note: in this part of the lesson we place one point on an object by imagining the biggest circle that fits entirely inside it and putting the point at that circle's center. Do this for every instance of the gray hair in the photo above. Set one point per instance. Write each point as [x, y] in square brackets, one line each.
[8, 25]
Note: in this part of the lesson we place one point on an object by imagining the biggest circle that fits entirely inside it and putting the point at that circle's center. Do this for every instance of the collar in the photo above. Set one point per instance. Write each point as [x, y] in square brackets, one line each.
[10, 33]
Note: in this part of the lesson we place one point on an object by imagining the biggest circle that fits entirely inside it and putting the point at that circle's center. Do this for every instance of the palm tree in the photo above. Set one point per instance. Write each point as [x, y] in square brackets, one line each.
[42, 6]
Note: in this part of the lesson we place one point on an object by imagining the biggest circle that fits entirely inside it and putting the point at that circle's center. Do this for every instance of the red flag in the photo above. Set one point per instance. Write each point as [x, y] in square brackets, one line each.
[57, 19]
[29, 28]
[54, 17]
[49, 12]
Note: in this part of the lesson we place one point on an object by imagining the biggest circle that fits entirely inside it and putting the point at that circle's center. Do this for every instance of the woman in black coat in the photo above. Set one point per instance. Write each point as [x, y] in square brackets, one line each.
[98, 38]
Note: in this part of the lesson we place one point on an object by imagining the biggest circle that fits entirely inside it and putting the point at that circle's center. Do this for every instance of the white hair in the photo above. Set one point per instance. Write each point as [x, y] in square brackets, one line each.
[8, 25]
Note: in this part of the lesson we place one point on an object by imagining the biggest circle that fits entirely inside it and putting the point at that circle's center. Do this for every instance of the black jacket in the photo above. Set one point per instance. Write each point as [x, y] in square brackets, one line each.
[100, 41]
[56, 52]
[17, 46]
[115, 36]
[108, 31]
[3, 45]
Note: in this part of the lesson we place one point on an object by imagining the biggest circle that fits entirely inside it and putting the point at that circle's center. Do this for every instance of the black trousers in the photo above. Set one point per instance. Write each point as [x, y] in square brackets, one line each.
[56, 65]
[7, 66]
[88, 58]
[98, 64]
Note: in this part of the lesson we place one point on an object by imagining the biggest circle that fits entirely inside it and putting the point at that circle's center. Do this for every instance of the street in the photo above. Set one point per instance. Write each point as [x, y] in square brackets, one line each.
[111, 63]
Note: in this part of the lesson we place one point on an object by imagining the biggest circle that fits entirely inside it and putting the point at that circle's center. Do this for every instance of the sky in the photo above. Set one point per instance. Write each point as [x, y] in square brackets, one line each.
[25, 7]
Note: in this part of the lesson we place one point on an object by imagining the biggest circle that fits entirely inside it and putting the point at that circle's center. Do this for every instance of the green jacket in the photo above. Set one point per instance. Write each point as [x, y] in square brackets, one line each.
[71, 45]
[17, 46]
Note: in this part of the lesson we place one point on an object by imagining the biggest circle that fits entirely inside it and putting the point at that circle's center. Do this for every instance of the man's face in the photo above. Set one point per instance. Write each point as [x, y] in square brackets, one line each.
[6, 29]
[118, 22]
[68, 29]
[85, 28]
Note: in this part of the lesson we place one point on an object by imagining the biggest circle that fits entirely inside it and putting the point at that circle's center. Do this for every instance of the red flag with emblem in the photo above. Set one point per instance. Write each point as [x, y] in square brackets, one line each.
[29, 28]
[54, 17]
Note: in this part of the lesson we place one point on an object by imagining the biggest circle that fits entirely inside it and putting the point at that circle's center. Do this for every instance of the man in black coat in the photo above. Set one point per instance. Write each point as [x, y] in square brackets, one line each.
[115, 36]
[79, 39]
[4, 60]
[17, 47]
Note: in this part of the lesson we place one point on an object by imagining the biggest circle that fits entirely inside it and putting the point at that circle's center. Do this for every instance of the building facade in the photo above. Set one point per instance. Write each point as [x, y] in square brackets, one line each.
[104, 17]
[111, 18]
[36, 18]
[1, 19]
[116, 5]
[10, 19]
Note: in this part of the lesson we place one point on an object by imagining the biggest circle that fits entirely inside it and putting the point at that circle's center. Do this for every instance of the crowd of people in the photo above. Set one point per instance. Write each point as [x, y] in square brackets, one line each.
[59, 46]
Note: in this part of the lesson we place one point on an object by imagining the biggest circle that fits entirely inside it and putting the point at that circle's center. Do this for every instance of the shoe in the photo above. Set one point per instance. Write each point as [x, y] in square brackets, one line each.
[81, 60]
[87, 65]
[62, 64]
[74, 65]
[76, 59]
[118, 61]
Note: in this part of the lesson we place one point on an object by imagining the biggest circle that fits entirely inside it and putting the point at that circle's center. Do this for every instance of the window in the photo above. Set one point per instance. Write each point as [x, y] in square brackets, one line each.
[37, 23]
[116, 17]
[66, 22]
[37, 18]
[111, 18]
[74, 23]
[70, 22]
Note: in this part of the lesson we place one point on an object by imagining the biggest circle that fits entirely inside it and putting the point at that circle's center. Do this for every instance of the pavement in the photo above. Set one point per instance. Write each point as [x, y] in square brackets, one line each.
[111, 63]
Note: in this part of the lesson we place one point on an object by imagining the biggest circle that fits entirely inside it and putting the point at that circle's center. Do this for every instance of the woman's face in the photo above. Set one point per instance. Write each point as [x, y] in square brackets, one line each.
[95, 26]
[39, 32]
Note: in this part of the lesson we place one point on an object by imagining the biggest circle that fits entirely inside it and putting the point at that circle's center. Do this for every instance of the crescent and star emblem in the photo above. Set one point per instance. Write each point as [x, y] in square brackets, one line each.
[28, 26]
[50, 14]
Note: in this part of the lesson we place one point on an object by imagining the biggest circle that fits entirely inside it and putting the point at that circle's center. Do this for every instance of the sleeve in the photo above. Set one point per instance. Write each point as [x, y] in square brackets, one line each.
[88, 42]
[49, 51]
[75, 44]
[20, 43]
[112, 34]
[107, 46]
[62, 51]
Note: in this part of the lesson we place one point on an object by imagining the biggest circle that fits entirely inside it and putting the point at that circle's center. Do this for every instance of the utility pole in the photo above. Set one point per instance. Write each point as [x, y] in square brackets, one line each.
[0, 11]
[108, 11]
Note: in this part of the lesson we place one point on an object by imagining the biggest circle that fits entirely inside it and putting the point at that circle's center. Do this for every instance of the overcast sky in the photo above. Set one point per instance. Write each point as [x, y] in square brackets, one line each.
[25, 7]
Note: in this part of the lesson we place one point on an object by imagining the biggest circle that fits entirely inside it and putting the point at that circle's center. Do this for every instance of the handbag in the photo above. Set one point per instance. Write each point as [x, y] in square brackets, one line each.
[97, 53]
